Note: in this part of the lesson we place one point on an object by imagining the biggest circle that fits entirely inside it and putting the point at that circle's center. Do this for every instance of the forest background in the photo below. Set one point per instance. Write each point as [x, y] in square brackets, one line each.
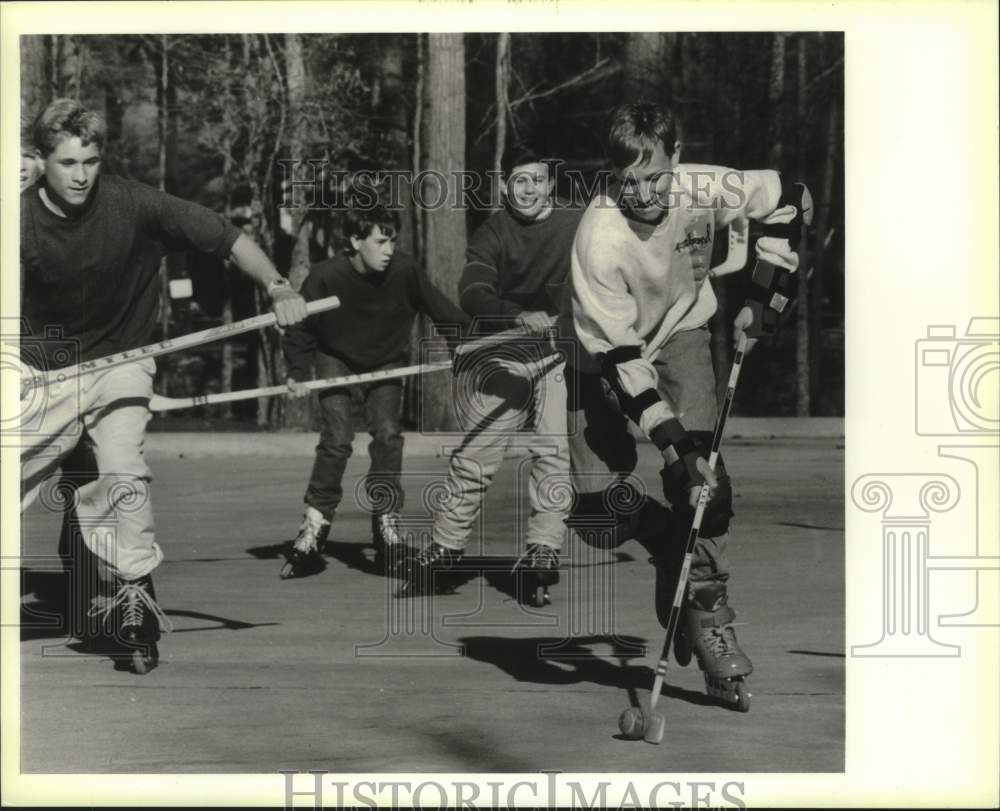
[228, 119]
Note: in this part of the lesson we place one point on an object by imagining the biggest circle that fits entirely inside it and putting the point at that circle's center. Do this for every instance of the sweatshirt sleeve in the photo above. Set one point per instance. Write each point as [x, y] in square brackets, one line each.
[733, 194]
[299, 341]
[604, 315]
[181, 224]
[479, 286]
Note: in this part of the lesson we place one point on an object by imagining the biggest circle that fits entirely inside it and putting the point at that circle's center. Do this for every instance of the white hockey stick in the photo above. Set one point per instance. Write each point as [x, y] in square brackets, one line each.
[159, 403]
[170, 345]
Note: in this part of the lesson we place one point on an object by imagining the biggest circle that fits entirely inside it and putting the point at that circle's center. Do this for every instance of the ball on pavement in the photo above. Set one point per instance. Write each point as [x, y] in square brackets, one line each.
[632, 723]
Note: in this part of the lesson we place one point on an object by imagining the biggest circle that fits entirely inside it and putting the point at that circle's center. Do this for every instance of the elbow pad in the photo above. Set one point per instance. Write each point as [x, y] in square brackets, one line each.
[631, 406]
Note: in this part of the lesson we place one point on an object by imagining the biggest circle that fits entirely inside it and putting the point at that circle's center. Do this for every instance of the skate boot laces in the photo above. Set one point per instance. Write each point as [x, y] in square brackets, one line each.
[720, 639]
[537, 556]
[436, 553]
[389, 528]
[135, 600]
[310, 532]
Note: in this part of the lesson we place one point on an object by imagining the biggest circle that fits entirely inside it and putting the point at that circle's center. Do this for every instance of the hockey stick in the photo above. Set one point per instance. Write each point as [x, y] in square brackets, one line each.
[494, 339]
[158, 403]
[169, 345]
[655, 722]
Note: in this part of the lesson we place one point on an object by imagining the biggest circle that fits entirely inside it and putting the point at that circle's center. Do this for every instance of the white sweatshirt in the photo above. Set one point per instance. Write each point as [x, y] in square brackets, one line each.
[635, 284]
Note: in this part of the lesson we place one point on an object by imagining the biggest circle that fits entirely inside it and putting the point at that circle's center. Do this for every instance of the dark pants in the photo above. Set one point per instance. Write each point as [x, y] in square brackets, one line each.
[382, 405]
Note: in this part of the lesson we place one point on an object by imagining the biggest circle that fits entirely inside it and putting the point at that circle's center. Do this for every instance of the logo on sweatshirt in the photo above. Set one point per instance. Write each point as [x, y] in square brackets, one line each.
[693, 240]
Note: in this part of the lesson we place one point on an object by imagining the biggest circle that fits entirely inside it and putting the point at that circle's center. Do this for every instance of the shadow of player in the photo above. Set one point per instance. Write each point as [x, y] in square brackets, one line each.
[356, 555]
[564, 661]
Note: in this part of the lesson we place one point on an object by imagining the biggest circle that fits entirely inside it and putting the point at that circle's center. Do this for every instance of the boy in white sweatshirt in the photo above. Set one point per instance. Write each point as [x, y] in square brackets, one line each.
[641, 301]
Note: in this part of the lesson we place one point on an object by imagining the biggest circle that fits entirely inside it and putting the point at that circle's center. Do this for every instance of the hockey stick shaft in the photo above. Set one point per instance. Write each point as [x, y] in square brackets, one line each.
[158, 403]
[675, 609]
[171, 345]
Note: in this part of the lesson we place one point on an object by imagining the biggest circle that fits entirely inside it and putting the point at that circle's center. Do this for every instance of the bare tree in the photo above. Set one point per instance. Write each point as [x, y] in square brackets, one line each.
[823, 234]
[775, 95]
[298, 137]
[802, 400]
[445, 224]
[647, 65]
[36, 91]
[502, 90]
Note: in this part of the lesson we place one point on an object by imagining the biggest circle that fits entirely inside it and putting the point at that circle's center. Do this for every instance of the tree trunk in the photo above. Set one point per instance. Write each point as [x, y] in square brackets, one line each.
[297, 412]
[775, 95]
[68, 58]
[445, 246]
[646, 64]
[162, 85]
[802, 400]
[36, 92]
[226, 373]
[414, 394]
[719, 325]
[501, 79]
[418, 144]
[822, 235]
[392, 116]
[297, 142]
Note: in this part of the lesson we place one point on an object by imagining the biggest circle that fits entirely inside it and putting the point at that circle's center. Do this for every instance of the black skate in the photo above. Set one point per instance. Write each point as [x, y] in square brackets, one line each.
[305, 554]
[387, 538]
[137, 621]
[536, 570]
[706, 630]
[421, 573]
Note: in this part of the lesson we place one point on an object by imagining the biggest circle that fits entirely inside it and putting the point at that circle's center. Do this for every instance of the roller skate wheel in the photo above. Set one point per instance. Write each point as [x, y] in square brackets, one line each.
[144, 659]
[743, 696]
[287, 571]
[542, 598]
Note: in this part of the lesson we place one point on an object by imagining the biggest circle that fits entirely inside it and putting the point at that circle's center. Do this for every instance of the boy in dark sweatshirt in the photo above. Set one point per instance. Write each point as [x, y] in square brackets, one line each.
[381, 290]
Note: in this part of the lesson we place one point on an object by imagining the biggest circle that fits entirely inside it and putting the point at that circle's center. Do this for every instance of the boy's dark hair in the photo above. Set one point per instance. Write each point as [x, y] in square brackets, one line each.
[634, 130]
[67, 118]
[358, 223]
[520, 153]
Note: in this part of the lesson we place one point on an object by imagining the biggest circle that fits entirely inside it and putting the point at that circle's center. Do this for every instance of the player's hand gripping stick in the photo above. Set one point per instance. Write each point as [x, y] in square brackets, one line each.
[167, 346]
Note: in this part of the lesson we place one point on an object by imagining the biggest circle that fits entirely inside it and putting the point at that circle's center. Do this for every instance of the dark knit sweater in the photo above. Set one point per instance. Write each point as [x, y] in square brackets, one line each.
[372, 327]
[92, 279]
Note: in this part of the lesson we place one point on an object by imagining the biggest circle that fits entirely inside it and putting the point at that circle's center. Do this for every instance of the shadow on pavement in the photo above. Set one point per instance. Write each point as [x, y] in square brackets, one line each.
[560, 660]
